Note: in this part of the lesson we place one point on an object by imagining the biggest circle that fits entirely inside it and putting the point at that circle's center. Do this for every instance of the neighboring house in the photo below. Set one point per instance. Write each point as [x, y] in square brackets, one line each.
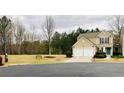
[122, 41]
[117, 45]
[89, 43]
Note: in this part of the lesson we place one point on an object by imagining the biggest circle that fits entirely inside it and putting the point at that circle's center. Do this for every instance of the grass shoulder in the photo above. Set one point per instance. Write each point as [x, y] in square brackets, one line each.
[119, 56]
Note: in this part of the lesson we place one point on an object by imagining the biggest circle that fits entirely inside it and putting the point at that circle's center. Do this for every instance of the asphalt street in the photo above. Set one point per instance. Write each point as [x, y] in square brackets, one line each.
[65, 70]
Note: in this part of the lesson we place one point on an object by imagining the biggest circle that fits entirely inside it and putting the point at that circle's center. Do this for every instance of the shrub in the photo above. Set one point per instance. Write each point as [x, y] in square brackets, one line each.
[68, 54]
[118, 56]
[100, 55]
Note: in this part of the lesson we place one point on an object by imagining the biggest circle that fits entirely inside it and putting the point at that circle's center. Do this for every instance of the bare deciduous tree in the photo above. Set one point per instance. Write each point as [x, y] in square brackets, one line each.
[10, 41]
[19, 35]
[48, 30]
[116, 24]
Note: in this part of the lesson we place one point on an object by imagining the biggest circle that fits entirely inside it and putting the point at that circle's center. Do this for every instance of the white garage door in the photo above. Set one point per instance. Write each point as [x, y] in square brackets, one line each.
[85, 51]
[77, 52]
[89, 51]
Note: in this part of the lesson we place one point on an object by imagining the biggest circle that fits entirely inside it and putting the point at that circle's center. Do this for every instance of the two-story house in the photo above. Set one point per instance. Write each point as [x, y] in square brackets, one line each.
[89, 43]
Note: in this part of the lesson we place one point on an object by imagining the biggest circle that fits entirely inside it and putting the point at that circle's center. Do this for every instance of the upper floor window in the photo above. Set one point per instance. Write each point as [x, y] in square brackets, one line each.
[104, 40]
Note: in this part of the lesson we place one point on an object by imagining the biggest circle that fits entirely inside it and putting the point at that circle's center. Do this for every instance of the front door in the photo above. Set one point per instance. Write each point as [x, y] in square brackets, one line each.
[108, 51]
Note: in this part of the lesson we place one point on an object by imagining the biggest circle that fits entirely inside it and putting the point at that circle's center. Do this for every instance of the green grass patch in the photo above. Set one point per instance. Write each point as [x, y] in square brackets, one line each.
[117, 56]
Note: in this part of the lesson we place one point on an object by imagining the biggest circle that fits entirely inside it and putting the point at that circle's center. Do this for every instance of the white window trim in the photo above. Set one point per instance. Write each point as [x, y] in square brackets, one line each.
[104, 40]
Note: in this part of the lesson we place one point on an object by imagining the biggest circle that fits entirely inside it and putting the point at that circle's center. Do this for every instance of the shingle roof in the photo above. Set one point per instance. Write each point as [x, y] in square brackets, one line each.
[91, 34]
[88, 35]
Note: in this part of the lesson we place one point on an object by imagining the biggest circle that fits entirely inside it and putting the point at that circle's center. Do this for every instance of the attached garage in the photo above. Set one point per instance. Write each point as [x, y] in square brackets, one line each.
[83, 47]
[84, 51]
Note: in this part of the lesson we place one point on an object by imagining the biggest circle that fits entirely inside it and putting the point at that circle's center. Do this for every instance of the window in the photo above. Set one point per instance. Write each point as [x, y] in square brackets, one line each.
[104, 40]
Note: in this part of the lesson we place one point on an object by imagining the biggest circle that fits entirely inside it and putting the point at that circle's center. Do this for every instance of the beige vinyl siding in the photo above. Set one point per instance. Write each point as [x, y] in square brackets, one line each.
[95, 40]
[110, 40]
[82, 43]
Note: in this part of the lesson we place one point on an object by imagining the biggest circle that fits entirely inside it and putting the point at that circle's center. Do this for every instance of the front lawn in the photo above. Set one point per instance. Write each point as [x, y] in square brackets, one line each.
[109, 60]
[31, 59]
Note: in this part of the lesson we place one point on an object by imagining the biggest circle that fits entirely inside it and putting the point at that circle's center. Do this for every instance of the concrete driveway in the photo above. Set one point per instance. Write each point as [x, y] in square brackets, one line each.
[65, 70]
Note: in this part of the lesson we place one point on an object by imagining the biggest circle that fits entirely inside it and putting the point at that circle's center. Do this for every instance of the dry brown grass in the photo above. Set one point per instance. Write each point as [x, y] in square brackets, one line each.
[31, 59]
[110, 60]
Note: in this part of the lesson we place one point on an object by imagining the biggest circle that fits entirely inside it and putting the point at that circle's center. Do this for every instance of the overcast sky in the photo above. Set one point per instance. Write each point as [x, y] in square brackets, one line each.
[68, 22]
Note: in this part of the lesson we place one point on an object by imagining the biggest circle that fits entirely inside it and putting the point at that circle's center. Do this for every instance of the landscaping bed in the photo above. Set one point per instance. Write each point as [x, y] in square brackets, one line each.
[117, 56]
